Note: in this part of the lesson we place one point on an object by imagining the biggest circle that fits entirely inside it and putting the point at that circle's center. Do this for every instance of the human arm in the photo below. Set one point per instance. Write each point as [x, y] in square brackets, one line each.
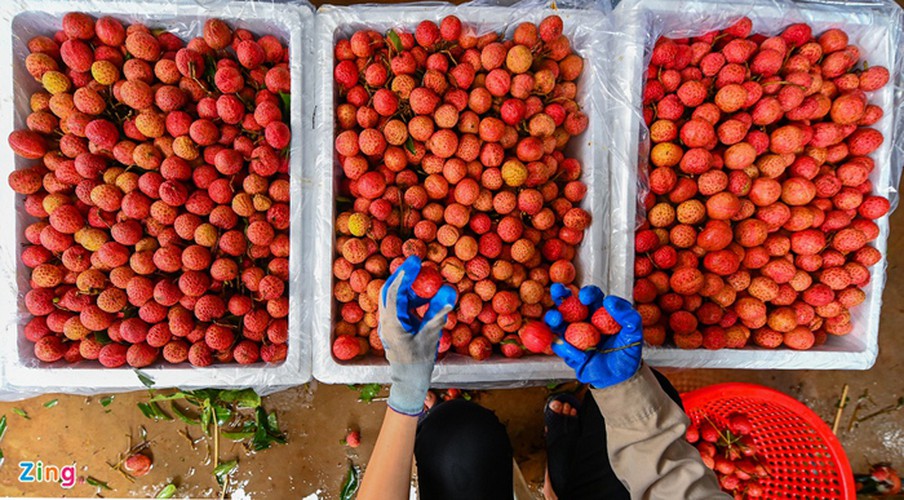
[388, 473]
[644, 426]
[410, 344]
[645, 429]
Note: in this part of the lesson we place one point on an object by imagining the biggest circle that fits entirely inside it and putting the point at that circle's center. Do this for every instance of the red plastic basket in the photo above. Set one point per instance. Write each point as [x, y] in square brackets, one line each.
[804, 457]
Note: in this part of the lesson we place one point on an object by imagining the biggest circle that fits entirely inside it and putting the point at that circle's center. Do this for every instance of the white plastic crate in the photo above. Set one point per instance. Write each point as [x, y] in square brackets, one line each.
[873, 26]
[21, 373]
[587, 31]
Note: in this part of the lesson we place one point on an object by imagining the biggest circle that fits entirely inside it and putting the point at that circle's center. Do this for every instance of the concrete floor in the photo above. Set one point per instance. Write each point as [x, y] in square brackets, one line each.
[316, 417]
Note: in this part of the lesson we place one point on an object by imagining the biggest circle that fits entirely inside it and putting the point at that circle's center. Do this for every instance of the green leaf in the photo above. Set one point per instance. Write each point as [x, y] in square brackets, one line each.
[97, 483]
[21, 413]
[146, 410]
[51, 403]
[237, 435]
[106, 400]
[222, 414]
[245, 398]
[102, 338]
[2, 432]
[147, 381]
[167, 492]
[351, 482]
[285, 99]
[395, 40]
[370, 391]
[409, 145]
[206, 394]
[261, 439]
[182, 416]
[152, 410]
[205, 419]
[169, 397]
[266, 432]
[210, 68]
[367, 392]
[225, 469]
[272, 421]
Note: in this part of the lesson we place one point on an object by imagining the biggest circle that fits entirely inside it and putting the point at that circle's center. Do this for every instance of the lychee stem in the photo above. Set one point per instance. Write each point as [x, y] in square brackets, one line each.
[216, 442]
[724, 438]
[622, 348]
[225, 486]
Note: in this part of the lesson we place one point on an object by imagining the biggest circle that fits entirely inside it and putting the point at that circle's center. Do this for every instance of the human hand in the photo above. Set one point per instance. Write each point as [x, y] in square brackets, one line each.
[411, 342]
[617, 357]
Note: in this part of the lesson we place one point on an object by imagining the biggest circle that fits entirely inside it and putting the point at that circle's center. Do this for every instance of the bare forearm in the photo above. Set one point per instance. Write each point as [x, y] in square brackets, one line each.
[388, 474]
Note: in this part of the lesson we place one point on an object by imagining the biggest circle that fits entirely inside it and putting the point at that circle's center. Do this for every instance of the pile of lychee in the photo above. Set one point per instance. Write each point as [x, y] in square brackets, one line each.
[450, 146]
[156, 184]
[761, 210]
[731, 452]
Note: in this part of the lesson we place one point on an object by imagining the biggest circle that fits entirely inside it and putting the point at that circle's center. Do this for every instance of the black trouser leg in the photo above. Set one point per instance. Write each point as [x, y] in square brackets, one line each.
[463, 452]
[589, 474]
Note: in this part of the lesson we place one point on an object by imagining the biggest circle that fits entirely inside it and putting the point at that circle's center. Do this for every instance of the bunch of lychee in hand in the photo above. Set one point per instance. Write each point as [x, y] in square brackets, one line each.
[578, 316]
[761, 210]
[451, 148]
[157, 187]
[732, 454]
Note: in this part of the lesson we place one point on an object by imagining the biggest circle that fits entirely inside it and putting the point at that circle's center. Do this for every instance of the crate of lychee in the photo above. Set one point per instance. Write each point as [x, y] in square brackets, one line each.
[773, 147]
[154, 161]
[472, 137]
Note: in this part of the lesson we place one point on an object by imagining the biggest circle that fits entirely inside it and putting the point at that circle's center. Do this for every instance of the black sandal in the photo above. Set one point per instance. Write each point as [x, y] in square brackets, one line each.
[562, 435]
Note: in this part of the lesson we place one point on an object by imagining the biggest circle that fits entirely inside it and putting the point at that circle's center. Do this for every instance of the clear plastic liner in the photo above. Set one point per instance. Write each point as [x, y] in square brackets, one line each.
[588, 28]
[21, 374]
[875, 26]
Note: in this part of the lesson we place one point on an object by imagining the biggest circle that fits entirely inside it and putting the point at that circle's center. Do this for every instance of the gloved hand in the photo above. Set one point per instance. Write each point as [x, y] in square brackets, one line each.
[617, 357]
[410, 342]
[591, 296]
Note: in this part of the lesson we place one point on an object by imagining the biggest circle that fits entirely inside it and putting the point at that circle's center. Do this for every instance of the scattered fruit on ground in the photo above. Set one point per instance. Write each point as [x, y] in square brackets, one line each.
[137, 465]
[352, 439]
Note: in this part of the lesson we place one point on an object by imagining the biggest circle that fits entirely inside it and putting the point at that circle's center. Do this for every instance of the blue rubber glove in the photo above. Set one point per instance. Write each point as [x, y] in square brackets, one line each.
[559, 292]
[617, 357]
[553, 318]
[410, 342]
[591, 296]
